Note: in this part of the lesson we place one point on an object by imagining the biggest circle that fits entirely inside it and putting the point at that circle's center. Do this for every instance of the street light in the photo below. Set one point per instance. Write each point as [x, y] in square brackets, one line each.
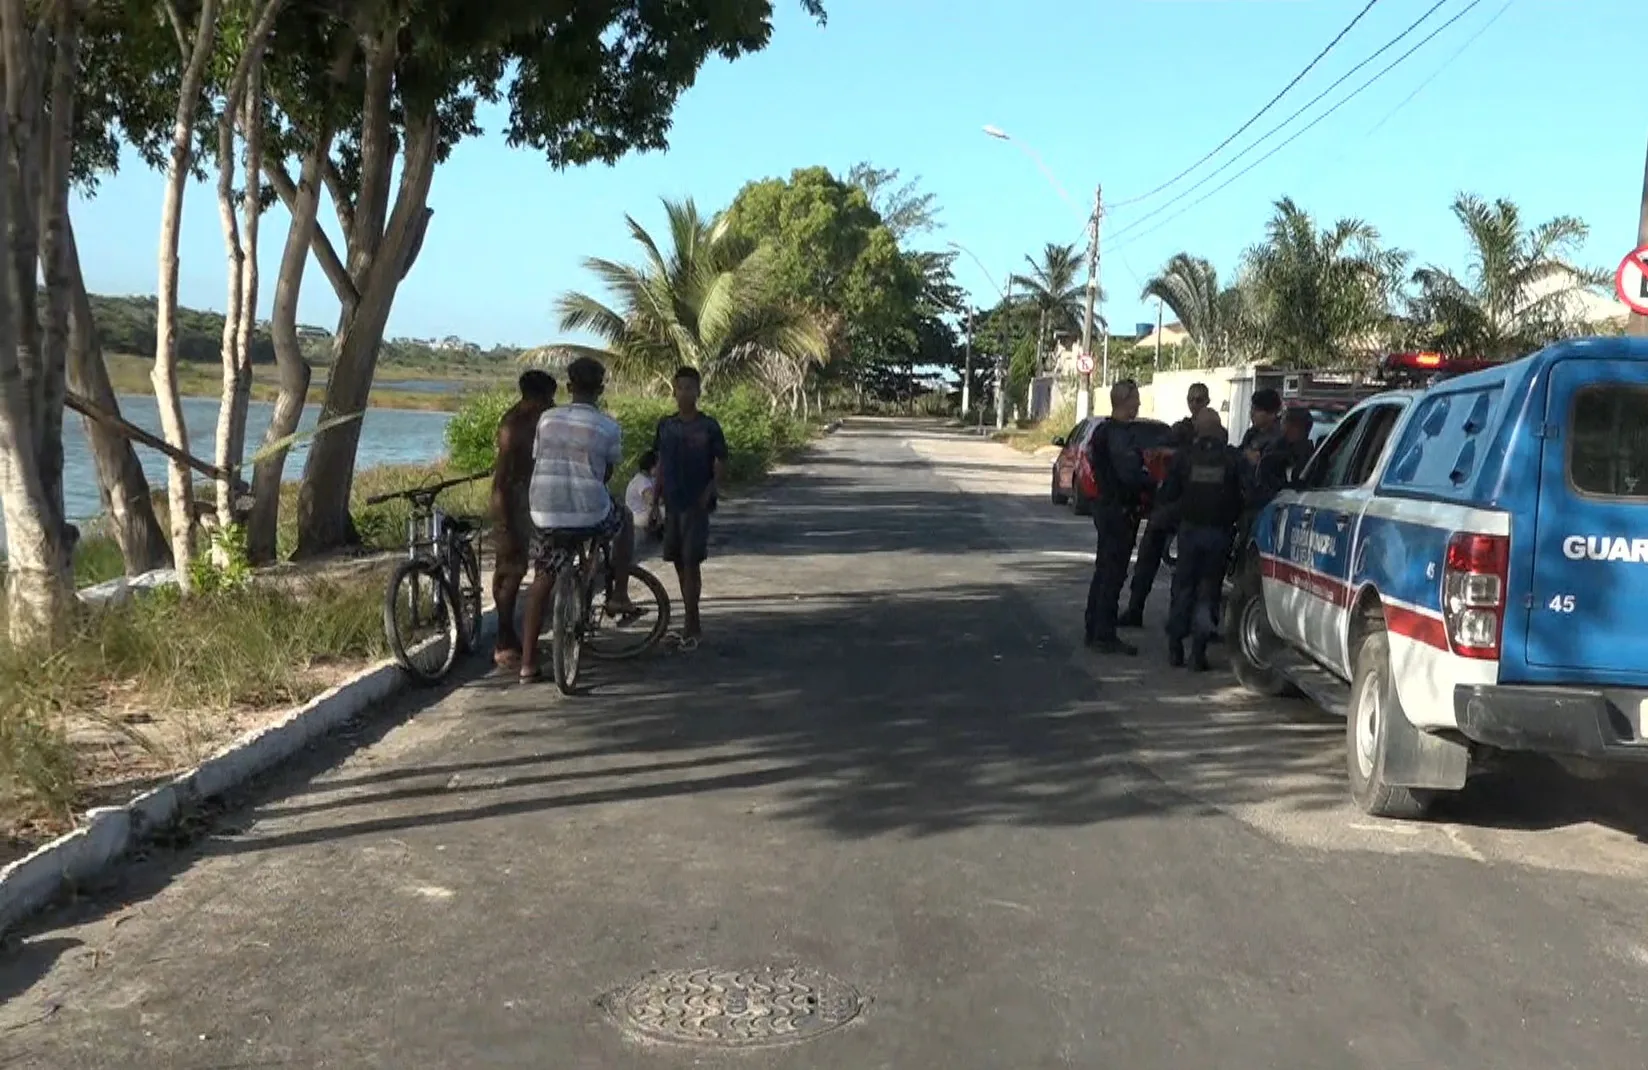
[967, 368]
[1035, 157]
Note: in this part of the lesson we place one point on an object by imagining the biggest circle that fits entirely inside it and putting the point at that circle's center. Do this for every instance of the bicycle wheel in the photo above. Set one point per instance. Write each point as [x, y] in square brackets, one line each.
[615, 636]
[566, 621]
[467, 575]
[419, 620]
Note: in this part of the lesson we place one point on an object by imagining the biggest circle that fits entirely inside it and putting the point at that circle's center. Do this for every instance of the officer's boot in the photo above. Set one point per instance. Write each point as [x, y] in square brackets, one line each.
[1133, 618]
[1198, 654]
[1175, 653]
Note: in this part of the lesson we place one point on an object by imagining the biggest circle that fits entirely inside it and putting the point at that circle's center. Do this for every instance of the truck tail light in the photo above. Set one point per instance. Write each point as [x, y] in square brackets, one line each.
[1473, 593]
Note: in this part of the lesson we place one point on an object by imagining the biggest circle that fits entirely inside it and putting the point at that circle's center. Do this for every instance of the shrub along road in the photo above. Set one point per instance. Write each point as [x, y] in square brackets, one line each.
[887, 763]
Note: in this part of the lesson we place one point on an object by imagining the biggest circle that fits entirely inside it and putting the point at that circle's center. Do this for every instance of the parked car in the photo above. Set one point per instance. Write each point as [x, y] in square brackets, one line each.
[1073, 481]
[1459, 570]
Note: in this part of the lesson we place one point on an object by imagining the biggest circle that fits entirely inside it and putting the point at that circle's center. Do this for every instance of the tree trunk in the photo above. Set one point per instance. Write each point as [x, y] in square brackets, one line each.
[263, 525]
[245, 106]
[377, 264]
[231, 412]
[180, 487]
[39, 584]
[121, 481]
[53, 215]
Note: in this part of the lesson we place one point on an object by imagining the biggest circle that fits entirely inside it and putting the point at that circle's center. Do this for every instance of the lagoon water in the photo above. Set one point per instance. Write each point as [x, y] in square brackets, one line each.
[388, 436]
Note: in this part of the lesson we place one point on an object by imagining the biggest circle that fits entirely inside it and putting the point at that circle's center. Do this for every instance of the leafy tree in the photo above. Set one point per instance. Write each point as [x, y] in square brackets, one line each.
[708, 300]
[1054, 288]
[831, 252]
[1519, 289]
[361, 85]
[1320, 297]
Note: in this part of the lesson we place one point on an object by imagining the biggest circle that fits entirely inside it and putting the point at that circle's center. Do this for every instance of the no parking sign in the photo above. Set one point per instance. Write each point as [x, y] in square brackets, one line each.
[1631, 280]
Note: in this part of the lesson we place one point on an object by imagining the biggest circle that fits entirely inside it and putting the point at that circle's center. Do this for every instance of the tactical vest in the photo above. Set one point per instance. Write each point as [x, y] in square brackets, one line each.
[1212, 494]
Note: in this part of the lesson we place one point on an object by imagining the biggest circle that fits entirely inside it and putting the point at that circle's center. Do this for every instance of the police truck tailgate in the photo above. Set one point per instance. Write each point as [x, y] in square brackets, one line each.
[1588, 602]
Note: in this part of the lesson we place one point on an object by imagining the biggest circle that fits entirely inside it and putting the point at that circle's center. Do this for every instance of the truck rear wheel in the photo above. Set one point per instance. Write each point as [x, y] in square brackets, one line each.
[1249, 638]
[1375, 716]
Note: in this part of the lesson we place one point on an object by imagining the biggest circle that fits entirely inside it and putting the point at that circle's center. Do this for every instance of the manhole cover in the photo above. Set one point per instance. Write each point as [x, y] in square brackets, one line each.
[736, 1008]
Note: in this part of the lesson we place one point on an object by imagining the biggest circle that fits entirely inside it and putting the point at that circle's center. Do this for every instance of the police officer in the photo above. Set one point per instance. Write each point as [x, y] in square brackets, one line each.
[1281, 462]
[1264, 433]
[1119, 472]
[1164, 520]
[1206, 485]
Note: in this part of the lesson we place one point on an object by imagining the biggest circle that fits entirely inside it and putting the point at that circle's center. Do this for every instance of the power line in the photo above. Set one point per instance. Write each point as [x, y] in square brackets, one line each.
[1300, 133]
[1256, 115]
[1342, 79]
[1445, 66]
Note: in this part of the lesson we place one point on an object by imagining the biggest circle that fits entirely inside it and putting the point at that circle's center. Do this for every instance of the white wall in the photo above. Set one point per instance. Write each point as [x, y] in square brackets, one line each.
[1229, 390]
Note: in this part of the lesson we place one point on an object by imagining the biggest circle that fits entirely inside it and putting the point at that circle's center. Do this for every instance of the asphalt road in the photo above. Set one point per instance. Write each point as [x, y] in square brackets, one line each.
[888, 764]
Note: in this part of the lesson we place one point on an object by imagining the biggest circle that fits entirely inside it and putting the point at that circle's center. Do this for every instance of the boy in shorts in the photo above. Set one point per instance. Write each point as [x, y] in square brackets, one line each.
[692, 461]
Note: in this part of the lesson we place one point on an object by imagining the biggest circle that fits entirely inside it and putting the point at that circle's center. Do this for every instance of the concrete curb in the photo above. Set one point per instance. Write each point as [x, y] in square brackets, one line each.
[108, 833]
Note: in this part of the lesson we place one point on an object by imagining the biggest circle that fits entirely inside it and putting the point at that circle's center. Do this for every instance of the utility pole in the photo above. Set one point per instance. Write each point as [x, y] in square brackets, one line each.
[1001, 362]
[1158, 334]
[1084, 400]
[1638, 324]
[967, 366]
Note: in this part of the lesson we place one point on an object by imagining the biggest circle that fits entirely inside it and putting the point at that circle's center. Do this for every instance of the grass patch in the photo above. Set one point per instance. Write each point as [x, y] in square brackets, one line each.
[138, 691]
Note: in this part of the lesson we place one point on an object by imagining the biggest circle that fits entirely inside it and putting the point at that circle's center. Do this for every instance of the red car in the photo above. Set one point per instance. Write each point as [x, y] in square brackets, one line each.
[1073, 482]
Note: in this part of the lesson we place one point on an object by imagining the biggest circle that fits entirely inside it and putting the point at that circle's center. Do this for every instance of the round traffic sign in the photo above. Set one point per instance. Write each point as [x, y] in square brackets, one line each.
[1631, 280]
[1084, 364]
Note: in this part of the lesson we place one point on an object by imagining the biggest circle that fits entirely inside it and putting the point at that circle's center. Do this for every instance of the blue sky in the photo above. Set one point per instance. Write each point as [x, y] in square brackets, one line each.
[1127, 92]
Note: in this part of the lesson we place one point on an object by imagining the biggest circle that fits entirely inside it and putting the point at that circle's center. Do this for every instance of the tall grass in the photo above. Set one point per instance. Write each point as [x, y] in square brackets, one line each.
[166, 660]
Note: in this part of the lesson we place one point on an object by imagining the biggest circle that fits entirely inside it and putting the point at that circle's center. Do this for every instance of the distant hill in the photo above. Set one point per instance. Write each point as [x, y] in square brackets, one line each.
[127, 325]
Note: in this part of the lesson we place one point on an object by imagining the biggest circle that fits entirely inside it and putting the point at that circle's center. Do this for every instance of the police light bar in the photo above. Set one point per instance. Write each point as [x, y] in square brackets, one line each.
[1432, 363]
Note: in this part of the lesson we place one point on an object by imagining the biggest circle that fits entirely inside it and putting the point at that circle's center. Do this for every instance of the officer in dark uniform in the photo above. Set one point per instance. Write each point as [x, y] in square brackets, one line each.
[1263, 435]
[1164, 520]
[1281, 463]
[1206, 485]
[1119, 472]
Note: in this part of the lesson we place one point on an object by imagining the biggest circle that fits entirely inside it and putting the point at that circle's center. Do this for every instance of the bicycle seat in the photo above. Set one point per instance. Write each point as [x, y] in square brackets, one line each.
[462, 525]
[571, 538]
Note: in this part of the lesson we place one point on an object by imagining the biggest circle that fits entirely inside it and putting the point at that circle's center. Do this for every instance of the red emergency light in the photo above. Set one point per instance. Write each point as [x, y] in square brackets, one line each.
[1435, 363]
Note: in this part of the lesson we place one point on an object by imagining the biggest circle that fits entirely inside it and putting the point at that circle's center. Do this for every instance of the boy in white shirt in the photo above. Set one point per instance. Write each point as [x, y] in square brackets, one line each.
[641, 496]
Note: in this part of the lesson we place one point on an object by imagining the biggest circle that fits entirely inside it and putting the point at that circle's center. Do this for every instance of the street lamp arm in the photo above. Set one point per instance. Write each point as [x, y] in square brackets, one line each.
[974, 257]
[1035, 157]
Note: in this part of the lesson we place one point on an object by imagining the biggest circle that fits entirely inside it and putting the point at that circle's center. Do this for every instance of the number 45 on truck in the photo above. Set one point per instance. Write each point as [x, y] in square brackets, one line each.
[1462, 570]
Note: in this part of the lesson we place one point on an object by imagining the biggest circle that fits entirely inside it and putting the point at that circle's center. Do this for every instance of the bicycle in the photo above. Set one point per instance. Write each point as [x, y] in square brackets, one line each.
[442, 565]
[582, 564]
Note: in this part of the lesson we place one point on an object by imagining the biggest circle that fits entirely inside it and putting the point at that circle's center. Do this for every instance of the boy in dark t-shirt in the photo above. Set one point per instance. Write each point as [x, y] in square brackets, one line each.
[692, 461]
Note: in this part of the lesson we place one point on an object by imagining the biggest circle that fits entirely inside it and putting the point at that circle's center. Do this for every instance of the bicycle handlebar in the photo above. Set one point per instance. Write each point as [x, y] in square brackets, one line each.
[425, 492]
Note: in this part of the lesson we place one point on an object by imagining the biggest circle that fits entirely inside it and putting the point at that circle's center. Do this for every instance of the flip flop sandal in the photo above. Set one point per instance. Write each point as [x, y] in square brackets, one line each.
[688, 643]
[531, 676]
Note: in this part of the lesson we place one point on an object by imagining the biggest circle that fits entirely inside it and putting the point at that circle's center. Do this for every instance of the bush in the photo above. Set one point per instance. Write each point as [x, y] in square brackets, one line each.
[471, 434]
[757, 437]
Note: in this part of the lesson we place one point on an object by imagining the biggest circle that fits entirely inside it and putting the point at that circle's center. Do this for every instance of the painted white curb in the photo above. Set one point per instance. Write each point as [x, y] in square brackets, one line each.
[108, 833]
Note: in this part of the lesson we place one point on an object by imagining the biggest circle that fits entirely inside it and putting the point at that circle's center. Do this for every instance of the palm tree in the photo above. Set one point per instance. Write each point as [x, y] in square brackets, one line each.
[1053, 291]
[708, 303]
[1520, 287]
[1211, 317]
[1320, 297]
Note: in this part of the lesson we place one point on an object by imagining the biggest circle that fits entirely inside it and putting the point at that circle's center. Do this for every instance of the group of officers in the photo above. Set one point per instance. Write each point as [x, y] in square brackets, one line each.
[1212, 491]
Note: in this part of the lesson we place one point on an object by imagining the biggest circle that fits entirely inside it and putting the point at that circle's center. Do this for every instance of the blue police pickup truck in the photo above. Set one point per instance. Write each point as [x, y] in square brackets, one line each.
[1461, 570]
